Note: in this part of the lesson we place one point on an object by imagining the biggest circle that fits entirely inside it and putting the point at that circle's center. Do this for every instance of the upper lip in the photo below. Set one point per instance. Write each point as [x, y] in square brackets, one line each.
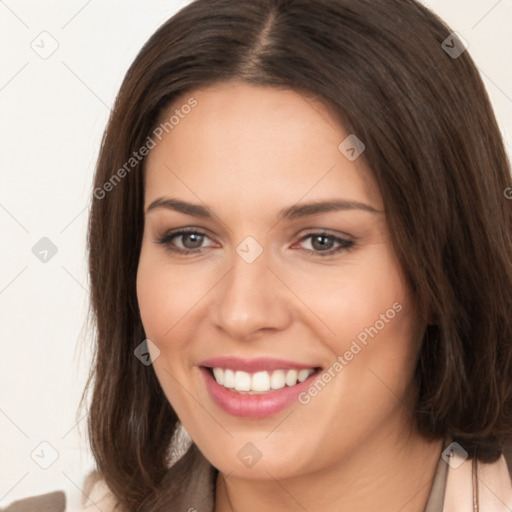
[254, 365]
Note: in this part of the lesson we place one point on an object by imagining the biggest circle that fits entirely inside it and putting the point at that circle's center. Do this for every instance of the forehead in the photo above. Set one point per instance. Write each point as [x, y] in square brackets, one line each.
[265, 145]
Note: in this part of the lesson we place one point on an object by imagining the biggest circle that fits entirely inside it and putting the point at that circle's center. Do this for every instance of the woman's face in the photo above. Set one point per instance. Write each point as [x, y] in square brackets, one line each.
[272, 286]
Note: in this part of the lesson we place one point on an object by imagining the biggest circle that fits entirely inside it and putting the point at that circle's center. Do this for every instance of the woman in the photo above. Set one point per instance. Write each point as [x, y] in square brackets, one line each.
[300, 258]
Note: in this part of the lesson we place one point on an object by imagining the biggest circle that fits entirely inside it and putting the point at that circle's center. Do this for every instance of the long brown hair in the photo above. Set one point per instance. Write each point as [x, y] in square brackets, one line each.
[435, 151]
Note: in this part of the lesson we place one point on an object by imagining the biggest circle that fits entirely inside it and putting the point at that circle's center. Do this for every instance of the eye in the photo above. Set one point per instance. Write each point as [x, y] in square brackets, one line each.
[322, 243]
[326, 244]
[191, 240]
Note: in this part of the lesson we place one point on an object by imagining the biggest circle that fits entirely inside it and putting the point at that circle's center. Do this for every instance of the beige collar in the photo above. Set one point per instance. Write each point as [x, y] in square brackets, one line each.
[477, 487]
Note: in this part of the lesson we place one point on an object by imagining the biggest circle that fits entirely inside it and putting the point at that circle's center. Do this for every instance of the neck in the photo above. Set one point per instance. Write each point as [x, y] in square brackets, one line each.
[384, 474]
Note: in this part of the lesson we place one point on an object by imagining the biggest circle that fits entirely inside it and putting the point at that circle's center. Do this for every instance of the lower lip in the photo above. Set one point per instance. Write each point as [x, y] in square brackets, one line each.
[254, 406]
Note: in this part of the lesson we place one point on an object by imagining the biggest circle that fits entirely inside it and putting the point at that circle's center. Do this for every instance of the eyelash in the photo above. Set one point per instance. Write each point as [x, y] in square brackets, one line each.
[346, 245]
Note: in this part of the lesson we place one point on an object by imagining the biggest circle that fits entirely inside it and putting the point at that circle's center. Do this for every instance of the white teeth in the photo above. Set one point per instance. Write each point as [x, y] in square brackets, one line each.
[303, 375]
[291, 378]
[242, 381]
[219, 375]
[259, 382]
[229, 378]
[277, 379]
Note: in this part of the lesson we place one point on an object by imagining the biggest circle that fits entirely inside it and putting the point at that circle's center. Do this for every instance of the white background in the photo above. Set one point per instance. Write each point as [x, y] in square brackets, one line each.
[52, 115]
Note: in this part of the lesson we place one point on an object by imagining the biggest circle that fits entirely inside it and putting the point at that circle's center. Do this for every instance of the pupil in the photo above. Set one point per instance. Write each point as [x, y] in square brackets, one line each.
[198, 240]
[323, 243]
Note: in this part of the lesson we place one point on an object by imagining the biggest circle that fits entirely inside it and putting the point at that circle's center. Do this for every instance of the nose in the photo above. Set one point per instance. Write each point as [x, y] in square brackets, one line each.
[251, 299]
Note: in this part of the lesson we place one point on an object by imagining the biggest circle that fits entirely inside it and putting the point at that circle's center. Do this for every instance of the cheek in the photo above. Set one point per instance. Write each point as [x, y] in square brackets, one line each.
[377, 304]
[172, 303]
[348, 300]
[163, 298]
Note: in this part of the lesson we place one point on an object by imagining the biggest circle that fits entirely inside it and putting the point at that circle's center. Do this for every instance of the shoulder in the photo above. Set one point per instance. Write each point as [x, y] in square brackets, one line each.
[491, 483]
[507, 454]
[95, 495]
[51, 502]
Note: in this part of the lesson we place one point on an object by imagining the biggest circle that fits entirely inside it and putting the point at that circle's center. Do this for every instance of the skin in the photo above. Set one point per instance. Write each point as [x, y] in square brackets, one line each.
[246, 152]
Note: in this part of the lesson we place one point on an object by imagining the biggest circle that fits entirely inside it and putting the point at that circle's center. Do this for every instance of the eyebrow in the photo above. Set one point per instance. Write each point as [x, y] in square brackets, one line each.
[292, 212]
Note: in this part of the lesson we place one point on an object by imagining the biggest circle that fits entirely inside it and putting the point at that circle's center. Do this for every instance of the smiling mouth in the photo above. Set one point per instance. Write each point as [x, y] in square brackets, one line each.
[259, 382]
